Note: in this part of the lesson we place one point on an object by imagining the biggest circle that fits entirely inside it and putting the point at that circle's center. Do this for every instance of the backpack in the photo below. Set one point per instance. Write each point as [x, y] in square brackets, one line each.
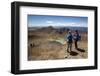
[77, 37]
[69, 38]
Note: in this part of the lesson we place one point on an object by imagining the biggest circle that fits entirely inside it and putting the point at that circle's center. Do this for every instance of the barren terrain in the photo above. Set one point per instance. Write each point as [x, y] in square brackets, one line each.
[49, 44]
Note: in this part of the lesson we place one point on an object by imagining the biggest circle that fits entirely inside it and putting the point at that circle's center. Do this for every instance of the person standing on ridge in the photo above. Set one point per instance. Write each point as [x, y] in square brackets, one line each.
[69, 39]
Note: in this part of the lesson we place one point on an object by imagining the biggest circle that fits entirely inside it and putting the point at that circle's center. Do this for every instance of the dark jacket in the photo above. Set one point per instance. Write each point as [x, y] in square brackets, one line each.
[69, 38]
[76, 36]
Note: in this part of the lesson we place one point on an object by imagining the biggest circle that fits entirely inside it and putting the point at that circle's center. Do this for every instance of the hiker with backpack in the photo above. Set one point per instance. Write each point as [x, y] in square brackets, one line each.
[76, 38]
[69, 39]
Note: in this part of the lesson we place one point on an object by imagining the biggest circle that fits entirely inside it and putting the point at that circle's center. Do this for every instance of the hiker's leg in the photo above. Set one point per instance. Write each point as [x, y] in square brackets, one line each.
[67, 47]
[75, 44]
[70, 47]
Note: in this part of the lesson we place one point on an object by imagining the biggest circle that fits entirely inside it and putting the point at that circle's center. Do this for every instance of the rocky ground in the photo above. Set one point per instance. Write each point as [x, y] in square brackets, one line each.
[43, 45]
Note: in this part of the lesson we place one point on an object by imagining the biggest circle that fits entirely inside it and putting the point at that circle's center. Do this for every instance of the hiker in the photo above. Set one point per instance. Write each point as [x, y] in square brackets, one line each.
[76, 38]
[69, 38]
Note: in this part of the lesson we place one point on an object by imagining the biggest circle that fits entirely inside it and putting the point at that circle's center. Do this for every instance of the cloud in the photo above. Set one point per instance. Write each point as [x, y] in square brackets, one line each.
[61, 24]
[72, 24]
[49, 22]
[64, 24]
[69, 24]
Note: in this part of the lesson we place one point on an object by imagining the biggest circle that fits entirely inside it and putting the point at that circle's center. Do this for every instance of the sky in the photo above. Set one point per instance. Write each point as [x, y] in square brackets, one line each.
[47, 20]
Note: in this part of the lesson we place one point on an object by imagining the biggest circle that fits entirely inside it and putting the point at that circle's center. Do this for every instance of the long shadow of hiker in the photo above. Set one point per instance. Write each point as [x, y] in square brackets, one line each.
[81, 50]
[73, 53]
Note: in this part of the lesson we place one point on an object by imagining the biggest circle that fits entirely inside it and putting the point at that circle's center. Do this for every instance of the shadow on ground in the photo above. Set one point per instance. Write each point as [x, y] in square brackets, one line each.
[81, 50]
[73, 53]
